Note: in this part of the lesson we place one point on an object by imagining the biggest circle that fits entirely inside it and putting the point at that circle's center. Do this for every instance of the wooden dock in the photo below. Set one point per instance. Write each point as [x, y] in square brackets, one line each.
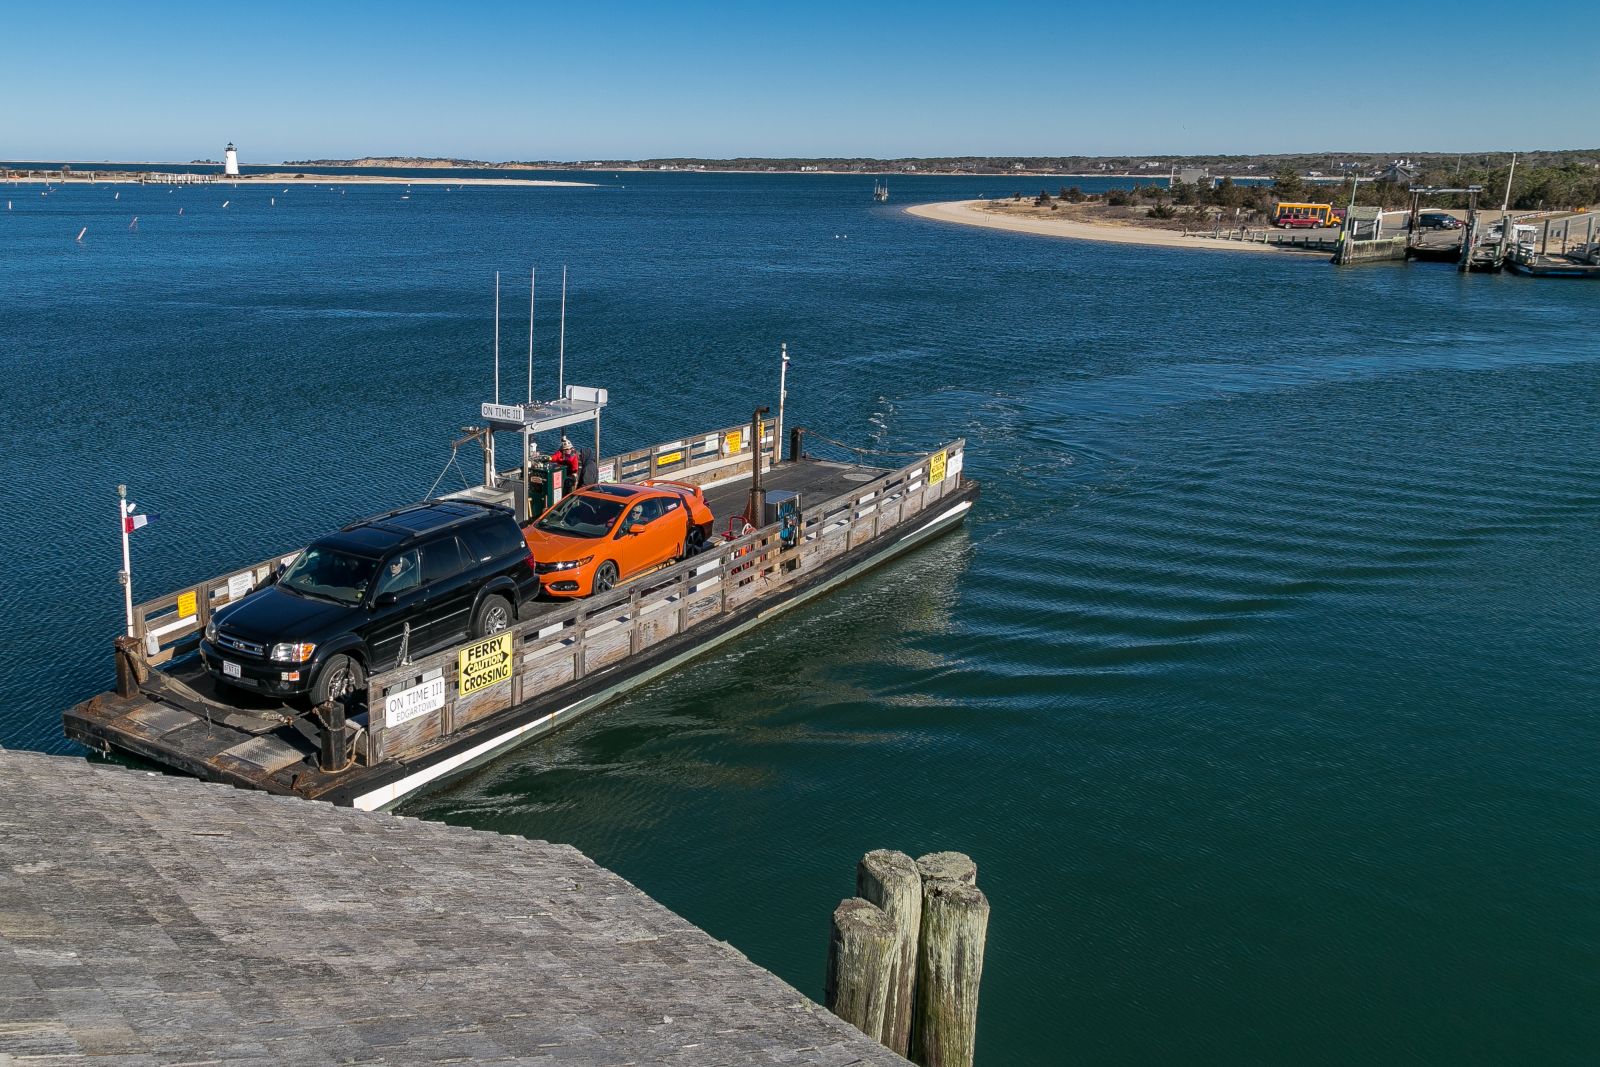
[150, 919]
[565, 659]
[1319, 240]
[1553, 265]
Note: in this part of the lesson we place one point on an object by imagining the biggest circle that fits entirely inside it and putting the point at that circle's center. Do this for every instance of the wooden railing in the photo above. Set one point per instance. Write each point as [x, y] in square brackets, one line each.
[1310, 242]
[170, 626]
[590, 635]
[703, 459]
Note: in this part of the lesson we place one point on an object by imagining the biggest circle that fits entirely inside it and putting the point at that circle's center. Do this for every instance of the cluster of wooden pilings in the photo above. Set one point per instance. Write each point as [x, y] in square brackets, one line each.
[906, 955]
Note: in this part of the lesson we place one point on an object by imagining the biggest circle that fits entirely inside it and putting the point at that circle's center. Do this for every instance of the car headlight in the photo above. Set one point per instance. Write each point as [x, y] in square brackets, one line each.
[211, 630]
[292, 653]
[571, 564]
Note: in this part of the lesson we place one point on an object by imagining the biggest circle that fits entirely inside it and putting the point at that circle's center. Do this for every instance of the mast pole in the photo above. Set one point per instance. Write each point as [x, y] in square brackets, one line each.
[527, 429]
[561, 358]
[1508, 235]
[497, 337]
[783, 394]
[126, 575]
[533, 279]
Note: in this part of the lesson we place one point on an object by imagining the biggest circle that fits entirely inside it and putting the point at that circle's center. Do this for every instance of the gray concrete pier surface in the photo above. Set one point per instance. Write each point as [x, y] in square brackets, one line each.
[147, 919]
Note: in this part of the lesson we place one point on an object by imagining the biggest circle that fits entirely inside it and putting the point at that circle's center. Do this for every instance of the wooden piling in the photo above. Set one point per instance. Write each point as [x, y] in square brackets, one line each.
[892, 881]
[132, 670]
[863, 953]
[955, 924]
[948, 867]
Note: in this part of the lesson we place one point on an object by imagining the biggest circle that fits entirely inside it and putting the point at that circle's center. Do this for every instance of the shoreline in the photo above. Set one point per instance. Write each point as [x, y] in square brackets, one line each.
[967, 213]
[90, 178]
[1154, 177]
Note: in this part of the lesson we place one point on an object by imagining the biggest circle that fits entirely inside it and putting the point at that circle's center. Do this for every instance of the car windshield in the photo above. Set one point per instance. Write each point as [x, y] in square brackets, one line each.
[329, 573]
[582, 515]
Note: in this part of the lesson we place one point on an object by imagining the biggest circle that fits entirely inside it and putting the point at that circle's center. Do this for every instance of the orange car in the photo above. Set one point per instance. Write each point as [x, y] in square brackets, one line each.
[607, 533]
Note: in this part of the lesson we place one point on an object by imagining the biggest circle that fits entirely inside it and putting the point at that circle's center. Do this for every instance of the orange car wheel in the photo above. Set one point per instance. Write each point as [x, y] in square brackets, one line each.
[605, 577]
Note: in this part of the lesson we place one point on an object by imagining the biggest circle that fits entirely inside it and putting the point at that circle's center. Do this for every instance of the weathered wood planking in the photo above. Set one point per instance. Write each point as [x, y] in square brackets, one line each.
[464, 711]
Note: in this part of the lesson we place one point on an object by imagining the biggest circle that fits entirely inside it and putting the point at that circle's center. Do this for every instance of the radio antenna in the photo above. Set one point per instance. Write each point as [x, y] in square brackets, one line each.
[533, 279]
[497, 337]
[561, 364]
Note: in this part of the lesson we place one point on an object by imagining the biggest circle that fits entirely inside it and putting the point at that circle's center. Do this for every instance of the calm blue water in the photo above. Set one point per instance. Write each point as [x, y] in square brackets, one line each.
[1261, 685]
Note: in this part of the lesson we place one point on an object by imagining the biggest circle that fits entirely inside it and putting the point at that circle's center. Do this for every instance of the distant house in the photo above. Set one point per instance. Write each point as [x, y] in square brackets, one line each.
[1400, 172]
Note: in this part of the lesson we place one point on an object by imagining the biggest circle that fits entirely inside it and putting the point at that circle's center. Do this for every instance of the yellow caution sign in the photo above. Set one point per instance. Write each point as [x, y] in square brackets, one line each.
[735, 439]
[484, 664]
[186, 600]
[936, 465]
[669, 458]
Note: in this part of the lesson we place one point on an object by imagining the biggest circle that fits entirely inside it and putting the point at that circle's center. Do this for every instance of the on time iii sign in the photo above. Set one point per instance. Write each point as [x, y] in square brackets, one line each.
[503, 413]
[407, 704]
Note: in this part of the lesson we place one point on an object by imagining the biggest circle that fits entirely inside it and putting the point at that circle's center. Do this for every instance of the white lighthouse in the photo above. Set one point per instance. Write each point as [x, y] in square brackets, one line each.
[230, 161]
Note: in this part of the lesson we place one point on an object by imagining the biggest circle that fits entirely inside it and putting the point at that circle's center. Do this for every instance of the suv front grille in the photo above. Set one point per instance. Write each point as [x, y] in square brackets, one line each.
[249, 648]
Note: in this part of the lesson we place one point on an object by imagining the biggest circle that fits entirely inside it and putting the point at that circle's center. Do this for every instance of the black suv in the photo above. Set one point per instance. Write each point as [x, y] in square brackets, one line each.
[400, 584]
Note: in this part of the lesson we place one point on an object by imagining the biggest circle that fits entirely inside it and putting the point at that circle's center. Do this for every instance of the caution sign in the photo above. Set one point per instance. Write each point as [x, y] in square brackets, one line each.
[936, 465]
[484, 664]
[186, 604]
[735, 441]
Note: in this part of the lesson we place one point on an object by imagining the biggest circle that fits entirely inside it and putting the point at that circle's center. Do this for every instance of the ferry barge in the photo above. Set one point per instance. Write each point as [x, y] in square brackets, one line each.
[813, 524]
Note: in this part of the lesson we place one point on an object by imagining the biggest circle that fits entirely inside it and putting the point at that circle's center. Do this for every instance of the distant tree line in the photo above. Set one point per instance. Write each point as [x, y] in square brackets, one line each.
[1567, 186]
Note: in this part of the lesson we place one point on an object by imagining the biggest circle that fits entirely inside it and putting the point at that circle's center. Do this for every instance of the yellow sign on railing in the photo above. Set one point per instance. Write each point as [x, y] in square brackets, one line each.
[936, 465]
[186, 603]
[484, 664]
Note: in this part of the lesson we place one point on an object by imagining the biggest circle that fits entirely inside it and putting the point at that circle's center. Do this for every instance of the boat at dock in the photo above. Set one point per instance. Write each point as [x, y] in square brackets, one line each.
[794, 527]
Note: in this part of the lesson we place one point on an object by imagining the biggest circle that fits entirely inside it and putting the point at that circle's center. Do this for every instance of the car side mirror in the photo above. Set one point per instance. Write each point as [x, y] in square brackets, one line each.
[636, 528]
[386, 600]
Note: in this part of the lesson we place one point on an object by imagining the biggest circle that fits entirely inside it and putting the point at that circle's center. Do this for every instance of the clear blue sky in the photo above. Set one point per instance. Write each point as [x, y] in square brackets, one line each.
[579, 80]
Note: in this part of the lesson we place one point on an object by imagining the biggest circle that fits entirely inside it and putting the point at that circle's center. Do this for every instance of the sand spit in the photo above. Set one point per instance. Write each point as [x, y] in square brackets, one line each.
[973, 213]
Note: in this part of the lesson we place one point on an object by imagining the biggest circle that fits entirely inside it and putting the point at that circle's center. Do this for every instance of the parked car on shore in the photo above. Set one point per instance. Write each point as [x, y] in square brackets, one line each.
[400, 584]
[1437, 220]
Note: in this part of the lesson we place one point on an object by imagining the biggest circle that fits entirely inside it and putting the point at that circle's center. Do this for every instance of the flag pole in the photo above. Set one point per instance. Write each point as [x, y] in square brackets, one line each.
[125, 576]
[561, 355]
[783, 394]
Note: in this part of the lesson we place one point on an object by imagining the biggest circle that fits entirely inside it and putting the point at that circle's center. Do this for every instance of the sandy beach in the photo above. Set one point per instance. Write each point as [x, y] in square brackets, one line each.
[972, 213]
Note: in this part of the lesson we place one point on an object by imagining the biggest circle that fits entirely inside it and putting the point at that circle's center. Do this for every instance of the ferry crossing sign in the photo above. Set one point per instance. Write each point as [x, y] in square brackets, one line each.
[483, 664]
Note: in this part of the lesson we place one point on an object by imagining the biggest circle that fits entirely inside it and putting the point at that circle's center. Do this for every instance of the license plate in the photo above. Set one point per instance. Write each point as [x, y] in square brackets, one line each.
[231, 669]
